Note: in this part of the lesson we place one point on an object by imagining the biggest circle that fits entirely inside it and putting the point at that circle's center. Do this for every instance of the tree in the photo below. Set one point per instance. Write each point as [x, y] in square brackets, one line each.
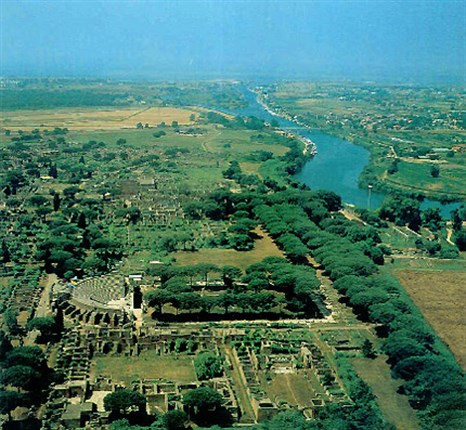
[121, 401]
[158, 134]
[159, 298]
[257, 282]
[187, 301]
[432, 219]
[108, 250]
[38, 200]
[226, 300]
[10, 400]
[208, 365]
[5, 345]
[261, 302]
[332, 201]
[46, 326]
[435, 171]
[231, 274]
[14, 179]
[203, 399]
[11, 322]
[460, 240]
[82, 222]
[56, 202]
[53, 171]
[70, 192]
[399, 347]
[456, 219]
[175, 420]
[383, 313]
[31, 356]
[241, 242]
[401, 210]
[204, 269]
[369, 297]
[288, 420]
[42, 212]
[207, 303]
[24, 377]
[368, 349]
[5, 256]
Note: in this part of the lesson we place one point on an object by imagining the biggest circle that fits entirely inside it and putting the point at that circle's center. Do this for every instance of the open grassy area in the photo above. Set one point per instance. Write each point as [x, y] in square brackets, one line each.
[398, 237]
[263, 247]
[394, 406]
[417, 176]
[430, 264]
[440, 295]
[295, 389]
[94, 118]
[148, 365]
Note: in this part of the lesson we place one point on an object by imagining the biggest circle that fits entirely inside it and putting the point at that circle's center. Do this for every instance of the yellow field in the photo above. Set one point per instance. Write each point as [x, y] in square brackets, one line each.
[94, 119]
[263, 247]
[440, 296]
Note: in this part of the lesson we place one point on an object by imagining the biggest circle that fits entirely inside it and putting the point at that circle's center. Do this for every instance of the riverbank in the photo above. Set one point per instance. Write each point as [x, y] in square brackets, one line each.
[413, 176]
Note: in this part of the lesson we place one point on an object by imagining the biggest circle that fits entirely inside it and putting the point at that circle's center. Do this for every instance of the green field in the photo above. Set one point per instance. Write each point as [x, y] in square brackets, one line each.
[296, 389]
[417, 177]
[394, 406]
[148, 365]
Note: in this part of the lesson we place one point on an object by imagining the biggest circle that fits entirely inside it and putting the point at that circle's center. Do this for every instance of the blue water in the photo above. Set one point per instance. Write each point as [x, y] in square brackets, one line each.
[337, 165]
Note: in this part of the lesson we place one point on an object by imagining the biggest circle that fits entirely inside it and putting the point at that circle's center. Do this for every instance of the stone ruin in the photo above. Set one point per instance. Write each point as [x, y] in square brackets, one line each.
[164, 395]
[251, 364]
[107, 329]
[107, 300]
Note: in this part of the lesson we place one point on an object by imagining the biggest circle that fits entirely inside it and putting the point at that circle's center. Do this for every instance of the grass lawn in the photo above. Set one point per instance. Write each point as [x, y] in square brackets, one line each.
[147, 365]
[394, 406]
[263, 247]
[417, 176]
[398, 237]
[249, 168]
[295, 389]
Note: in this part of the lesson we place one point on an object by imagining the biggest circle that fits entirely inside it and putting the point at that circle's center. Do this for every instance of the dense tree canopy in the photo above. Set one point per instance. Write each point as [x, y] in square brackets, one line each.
[121, 401]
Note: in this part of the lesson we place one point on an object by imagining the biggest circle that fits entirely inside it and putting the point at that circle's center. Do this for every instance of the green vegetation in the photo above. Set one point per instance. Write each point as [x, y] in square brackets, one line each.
[121, 401]
[208, 365]
[129, 369]
[53, 93]
[208, 212]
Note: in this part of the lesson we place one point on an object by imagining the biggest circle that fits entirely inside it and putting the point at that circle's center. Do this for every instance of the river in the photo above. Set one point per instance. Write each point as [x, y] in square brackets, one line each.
[337, 165]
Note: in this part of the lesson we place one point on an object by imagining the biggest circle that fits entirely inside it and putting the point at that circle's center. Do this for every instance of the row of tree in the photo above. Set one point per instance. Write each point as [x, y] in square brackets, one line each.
[433, 380]
[272, 283]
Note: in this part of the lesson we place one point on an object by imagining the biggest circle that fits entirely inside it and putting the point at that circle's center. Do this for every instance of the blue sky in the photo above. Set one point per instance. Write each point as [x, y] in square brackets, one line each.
[388, 40]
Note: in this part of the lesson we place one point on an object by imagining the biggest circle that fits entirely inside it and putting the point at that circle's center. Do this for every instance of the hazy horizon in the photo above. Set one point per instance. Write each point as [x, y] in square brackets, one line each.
[413, 42]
